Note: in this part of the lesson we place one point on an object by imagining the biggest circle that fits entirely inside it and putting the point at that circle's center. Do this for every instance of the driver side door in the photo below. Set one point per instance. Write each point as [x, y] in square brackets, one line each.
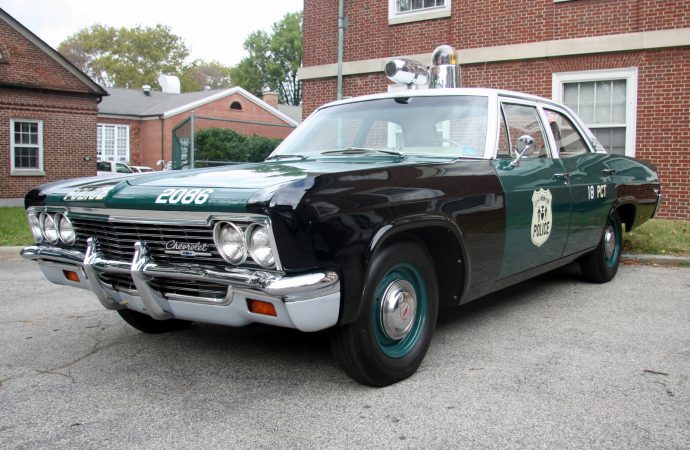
[537, 192]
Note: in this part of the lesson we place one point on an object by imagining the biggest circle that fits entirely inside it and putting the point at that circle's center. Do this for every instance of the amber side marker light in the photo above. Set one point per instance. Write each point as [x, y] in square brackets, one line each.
[72, 276]
[261, 307]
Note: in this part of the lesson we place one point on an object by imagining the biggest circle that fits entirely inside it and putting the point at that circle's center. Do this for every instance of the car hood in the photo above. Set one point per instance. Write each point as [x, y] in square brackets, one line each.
[231, 187]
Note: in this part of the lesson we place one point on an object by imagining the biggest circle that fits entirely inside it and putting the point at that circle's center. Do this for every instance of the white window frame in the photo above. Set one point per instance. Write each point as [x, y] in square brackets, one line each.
[436, 12]
[628, 74]
[117, 127]
[18, 171]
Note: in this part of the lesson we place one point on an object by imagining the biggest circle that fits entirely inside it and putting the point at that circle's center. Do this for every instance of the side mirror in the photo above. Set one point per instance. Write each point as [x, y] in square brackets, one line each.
[523, 147]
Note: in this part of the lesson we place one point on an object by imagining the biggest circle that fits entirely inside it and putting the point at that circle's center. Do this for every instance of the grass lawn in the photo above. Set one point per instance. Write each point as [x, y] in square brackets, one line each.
[657, 237]
[14, 228]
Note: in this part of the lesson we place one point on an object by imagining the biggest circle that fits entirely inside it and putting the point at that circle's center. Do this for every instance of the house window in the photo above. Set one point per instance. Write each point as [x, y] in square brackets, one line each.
[606, 101]
[403, 11]
[26, 142]
[112, 142]
[236, 105]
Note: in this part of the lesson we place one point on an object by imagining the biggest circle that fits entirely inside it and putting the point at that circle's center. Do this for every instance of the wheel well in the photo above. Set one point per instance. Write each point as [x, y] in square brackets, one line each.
[446, 254]
[627, 214]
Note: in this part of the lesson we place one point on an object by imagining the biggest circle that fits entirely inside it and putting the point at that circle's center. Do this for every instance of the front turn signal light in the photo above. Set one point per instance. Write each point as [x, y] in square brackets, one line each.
[261, 307]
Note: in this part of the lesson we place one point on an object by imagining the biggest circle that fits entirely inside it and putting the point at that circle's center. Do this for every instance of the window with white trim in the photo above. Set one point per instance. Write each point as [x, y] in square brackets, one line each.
[606, 101]
[402, 11]
[112, 142]
[26, 144]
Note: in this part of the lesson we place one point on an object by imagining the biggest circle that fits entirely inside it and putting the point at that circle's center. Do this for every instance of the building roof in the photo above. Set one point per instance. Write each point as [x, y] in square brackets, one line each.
[94, 87]
[134, 102]
[292, 111]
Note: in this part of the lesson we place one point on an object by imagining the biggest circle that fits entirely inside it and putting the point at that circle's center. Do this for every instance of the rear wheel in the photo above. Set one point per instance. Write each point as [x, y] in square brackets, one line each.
[391, 336]
[148, 324]
[601, 265]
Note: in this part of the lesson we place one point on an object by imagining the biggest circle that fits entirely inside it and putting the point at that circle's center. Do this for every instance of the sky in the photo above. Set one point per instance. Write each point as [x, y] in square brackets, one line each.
[212, 30]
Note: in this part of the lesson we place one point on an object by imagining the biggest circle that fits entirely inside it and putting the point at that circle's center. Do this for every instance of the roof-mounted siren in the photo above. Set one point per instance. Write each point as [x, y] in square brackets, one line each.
[443, 73]
[407, 73]
[445, 68]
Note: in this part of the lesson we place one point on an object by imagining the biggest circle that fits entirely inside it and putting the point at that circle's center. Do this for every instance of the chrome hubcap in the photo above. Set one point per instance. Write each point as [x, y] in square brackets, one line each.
[609, 242]
[398, 309]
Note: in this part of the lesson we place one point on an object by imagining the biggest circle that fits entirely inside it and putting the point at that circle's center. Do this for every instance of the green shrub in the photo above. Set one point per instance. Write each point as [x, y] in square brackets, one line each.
[216, 144]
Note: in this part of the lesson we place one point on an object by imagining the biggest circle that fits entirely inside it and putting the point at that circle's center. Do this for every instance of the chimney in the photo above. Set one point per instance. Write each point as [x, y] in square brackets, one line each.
[147, 89]
[271, 98]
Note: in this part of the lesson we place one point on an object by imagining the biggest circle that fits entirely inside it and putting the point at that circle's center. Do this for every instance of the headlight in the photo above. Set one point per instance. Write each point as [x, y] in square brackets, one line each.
[230, 243]
[66, 230]
[50, 232]
[260, 245]
[35, 225]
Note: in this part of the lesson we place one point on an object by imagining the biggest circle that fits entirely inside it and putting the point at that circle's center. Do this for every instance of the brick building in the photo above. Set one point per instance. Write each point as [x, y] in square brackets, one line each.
[136, 126]
[623, 65]
[47, 113]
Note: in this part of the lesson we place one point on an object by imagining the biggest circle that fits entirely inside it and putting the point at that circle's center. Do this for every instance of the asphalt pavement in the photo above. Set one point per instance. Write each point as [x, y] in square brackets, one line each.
[551, 363]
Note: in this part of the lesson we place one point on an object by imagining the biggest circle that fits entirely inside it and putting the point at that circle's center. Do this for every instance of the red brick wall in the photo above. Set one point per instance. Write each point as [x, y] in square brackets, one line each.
[69, 135]
[26, 64]
[477, 23]
[52, 94]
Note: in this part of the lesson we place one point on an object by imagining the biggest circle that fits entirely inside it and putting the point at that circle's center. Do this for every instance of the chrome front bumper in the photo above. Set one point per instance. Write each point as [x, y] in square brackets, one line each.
[307, 302]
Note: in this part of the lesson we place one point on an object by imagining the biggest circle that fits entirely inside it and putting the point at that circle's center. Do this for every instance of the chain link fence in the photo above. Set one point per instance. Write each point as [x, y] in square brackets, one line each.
[184, 143]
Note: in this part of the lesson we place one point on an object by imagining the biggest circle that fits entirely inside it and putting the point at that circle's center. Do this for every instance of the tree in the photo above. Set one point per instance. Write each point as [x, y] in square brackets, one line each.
[199, 74]
[125, 57]
[273, 60]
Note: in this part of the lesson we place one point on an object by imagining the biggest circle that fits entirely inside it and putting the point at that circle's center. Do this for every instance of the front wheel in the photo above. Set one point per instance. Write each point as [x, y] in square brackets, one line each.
[601, 265]
[392, 333]
[148, 324]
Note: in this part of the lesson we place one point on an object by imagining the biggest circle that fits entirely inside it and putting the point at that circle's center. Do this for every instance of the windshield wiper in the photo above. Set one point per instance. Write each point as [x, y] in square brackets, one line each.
[362, 151]
[286, 156]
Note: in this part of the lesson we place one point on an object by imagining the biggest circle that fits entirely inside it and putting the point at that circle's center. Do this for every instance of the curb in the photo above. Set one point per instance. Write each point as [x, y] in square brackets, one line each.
[10, 253]
[655, 260]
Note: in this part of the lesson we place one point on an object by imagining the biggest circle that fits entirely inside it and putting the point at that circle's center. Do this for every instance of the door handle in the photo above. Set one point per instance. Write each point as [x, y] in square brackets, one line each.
[562, 176]
[609, 172]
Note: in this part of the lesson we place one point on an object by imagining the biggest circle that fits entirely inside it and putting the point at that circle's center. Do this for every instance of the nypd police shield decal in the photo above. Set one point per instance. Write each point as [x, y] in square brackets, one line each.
[541, 216]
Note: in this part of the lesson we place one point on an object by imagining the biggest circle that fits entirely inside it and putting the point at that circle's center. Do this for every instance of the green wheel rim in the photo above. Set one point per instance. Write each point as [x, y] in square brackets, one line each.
[397, 348]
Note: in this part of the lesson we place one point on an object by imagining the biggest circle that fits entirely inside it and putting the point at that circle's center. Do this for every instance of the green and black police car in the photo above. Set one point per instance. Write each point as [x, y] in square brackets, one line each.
[373, 214]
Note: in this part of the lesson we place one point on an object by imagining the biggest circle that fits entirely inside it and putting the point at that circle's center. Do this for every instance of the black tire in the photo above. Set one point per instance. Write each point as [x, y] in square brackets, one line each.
[601, 265]
[148, 324]
[381, 348]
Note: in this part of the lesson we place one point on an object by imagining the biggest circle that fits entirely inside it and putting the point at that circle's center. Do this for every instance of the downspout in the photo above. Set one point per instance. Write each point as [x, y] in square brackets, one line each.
[341, 38]
[162, 141]
[191, 151]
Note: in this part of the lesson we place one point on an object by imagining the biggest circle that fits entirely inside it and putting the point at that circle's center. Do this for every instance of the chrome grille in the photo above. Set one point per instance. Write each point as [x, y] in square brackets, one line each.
[189, 288]
[167, 286]
[116, 240]
[119, 282]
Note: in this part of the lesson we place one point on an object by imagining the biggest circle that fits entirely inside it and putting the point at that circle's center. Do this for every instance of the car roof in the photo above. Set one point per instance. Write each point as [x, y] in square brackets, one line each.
[444, 92]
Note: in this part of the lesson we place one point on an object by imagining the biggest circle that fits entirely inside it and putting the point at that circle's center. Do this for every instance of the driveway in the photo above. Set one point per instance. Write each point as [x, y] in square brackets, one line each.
[553, 362]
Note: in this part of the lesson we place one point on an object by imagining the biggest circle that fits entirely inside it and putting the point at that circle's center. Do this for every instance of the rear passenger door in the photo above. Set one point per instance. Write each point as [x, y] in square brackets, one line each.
[591, 184]
[537, 193]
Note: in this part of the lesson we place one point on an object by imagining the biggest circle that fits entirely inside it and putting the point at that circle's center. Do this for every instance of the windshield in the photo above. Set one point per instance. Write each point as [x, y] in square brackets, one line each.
[448, 126]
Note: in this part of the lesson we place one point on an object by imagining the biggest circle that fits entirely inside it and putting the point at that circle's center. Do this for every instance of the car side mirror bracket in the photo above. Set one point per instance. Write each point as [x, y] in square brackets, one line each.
[523, 147]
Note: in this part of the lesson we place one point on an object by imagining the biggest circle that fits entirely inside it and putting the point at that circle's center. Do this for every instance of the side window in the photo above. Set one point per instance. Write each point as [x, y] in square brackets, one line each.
[104, 166]
[524, 120]
[568, 140]
[121, 168]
